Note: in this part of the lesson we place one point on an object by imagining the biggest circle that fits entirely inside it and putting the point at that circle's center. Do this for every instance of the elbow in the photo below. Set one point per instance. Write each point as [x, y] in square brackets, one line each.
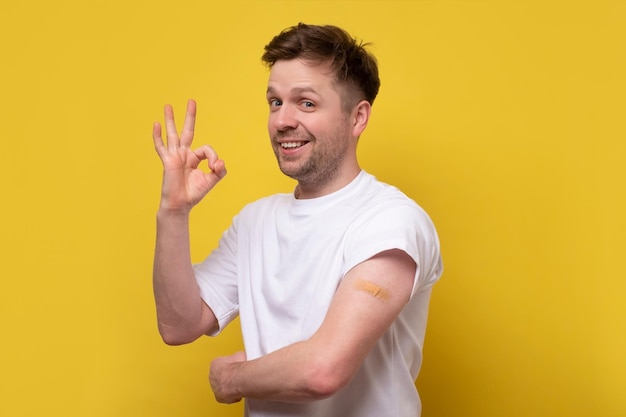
[325, 380]
[179, 331]
[174, 337]
[172, 341]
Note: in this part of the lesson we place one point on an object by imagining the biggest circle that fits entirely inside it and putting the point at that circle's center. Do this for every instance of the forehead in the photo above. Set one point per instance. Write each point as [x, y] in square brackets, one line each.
[296, 74]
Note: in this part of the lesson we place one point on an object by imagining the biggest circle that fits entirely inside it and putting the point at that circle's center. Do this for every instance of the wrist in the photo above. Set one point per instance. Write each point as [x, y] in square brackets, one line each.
[166, 209]
[165, 213]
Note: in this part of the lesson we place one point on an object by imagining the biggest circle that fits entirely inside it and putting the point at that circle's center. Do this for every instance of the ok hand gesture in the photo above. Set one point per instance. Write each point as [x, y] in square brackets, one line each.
[184, 184]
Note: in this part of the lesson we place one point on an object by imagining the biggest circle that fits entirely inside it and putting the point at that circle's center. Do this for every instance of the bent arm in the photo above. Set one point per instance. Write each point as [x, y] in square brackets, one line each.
[368, 300]
[182, 316]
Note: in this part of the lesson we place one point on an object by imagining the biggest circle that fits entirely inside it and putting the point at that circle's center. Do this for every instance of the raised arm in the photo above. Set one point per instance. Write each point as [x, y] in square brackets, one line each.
[182, 315]
[368, 300]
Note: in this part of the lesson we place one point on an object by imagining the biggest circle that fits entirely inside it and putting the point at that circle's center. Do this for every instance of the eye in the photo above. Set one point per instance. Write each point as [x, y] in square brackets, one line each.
[274, 102]
[308, 104]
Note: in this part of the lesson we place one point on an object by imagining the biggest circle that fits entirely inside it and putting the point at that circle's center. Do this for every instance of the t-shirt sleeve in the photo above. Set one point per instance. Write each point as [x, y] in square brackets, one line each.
[399, 225]
[217, 279]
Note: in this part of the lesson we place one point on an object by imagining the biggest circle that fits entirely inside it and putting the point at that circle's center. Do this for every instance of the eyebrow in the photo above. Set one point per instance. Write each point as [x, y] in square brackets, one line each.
[296, 90]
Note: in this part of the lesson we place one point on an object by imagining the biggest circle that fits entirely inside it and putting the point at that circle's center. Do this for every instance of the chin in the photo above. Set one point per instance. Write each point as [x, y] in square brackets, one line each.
[291, 173]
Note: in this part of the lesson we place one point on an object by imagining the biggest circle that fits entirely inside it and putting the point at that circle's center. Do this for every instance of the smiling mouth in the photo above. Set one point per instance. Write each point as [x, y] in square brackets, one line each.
[292, 145]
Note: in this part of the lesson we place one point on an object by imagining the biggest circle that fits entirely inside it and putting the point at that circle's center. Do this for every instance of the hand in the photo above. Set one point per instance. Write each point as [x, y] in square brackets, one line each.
[184, 185]
[221, 373]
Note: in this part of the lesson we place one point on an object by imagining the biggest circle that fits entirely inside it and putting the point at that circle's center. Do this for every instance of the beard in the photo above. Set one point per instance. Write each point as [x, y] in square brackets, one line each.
[322, 163]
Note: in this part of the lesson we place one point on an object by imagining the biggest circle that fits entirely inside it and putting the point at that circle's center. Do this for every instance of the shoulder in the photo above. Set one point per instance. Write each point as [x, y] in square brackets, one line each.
[392, 216]
[264, 206]
[379, 200]
[385, 219]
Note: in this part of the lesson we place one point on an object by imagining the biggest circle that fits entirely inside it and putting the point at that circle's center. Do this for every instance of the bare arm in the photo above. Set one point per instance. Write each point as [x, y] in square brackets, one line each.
[370, 297]
[182, 315]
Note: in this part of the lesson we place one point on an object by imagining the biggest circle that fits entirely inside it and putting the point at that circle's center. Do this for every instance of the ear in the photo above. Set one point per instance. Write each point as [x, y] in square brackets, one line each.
[360, 116]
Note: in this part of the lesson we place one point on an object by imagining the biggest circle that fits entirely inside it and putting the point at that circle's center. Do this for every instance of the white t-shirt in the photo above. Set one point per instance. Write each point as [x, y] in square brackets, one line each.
[279, 265]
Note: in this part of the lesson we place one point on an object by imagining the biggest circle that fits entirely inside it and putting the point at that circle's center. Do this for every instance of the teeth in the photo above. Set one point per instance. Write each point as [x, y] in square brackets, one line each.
[291, 145]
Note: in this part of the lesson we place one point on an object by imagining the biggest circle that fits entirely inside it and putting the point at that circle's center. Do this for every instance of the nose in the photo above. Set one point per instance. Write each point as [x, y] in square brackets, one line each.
[284, 118]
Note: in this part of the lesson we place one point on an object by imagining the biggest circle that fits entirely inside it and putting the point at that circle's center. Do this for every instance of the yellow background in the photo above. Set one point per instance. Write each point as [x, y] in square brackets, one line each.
[504, 120]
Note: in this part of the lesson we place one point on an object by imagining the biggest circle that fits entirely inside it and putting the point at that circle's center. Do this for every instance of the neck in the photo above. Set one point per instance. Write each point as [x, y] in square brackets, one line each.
[306, 190]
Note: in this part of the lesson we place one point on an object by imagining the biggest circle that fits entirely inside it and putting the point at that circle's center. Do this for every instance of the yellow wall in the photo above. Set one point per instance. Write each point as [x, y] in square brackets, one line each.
[505, 120]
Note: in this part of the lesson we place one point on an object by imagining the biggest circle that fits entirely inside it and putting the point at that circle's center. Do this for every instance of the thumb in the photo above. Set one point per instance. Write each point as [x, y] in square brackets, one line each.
[218, 171]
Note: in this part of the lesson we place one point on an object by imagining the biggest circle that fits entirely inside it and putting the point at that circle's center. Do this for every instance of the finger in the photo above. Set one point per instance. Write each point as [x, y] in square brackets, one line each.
[206, 152]
[170, 127]
[157, 138]
[186, 136]
[216, 165]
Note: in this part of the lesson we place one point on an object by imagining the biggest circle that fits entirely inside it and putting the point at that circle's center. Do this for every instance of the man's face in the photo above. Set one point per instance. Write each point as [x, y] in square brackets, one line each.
[310, 131]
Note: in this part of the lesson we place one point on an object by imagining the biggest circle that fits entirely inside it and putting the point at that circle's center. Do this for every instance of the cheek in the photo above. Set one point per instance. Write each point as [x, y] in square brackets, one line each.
[315, 124]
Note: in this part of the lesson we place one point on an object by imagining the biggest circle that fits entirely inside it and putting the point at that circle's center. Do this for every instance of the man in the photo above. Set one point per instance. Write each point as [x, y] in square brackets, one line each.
[331, 282]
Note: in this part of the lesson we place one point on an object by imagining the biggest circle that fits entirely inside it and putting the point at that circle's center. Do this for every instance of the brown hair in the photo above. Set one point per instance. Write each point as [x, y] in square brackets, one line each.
[355, 68]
